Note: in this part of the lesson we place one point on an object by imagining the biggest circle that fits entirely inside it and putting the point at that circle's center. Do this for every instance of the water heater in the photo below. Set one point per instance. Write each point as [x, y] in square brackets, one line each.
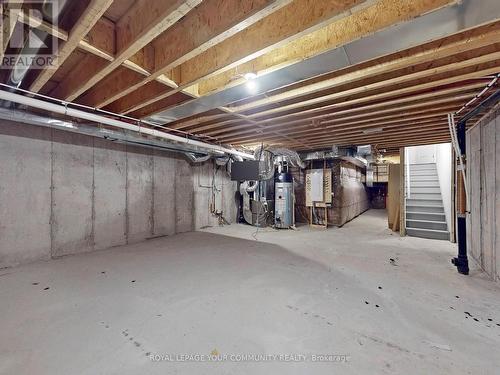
[283, 199]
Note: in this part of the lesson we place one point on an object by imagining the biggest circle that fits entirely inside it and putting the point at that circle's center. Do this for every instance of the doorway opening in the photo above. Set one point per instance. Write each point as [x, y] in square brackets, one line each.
[429, 191]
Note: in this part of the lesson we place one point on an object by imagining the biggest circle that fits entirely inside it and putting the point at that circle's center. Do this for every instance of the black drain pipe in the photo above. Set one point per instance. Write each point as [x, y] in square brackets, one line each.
[461, 261]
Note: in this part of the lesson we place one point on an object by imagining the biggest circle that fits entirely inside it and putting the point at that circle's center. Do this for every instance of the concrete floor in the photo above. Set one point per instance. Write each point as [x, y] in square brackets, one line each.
[220, 291]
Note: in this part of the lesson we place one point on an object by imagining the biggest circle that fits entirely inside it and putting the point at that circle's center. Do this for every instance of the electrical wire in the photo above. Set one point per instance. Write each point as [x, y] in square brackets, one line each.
[488, 86]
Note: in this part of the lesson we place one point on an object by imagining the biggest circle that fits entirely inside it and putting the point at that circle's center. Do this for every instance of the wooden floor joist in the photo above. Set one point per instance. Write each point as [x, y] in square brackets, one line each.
[470, 40]
[211, 23]
[204, 124]
[85, 22]
[396, 114]
[160, 59]
[357, 104]
[143, 22]
[249, 41]
[374, 16]
[202, 68]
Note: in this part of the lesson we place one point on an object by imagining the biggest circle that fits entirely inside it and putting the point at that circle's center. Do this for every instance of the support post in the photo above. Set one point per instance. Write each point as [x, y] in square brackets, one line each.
[461, 261]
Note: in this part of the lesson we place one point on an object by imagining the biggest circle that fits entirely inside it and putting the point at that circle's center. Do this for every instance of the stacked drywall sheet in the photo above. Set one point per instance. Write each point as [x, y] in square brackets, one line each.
[349, 196]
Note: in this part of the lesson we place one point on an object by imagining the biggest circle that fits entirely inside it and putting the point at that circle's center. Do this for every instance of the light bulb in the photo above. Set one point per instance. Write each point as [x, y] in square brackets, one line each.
[252, 86]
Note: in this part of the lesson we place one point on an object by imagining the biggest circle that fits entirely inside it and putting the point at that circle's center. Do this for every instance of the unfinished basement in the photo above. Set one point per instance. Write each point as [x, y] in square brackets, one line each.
[249, 187]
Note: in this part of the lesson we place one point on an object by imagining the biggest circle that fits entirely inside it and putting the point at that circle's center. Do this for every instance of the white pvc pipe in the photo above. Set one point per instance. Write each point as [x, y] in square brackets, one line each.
[58, 108]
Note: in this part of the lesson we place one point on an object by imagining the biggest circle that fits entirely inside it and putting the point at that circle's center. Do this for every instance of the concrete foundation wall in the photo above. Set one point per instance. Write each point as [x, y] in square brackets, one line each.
[483, 167]
[63, 193]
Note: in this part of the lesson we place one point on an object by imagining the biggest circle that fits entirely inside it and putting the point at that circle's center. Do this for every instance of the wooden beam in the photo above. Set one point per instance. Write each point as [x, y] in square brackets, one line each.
[399, 12]
[444, 70]
[206, 117]
[87, 20]
[439, 127]
[474, 43]
[404, 128]
[261, 137]
[304, 131]
[365, 21]
[146, 92]
[271, 32]
[203, 123]
[143, 22]
[406, 91]
[123, 80]
[388, 115]
[166, 102]
[469, 40]
[100, 40]
[289, 23]
[348, 137]
[198, 31]
[347, 133]
[395, 145]
[169, 102]
[385, 140]
[379, 90]
[400, 142]
[380, 142]
[369, 103]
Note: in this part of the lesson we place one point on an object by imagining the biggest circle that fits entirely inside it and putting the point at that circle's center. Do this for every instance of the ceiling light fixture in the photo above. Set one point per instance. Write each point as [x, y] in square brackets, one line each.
[252, 86]
[249, 76]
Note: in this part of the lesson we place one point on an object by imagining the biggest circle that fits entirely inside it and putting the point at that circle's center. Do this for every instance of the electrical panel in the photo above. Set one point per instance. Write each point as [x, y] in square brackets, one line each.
[327, 187]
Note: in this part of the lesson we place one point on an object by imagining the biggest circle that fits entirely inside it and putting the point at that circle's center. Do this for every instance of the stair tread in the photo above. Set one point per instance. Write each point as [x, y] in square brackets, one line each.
[427, 221]
[425, 213]
[425, 187]
[429, 230]
[424, 199]
[424, 193]
[424, 205]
